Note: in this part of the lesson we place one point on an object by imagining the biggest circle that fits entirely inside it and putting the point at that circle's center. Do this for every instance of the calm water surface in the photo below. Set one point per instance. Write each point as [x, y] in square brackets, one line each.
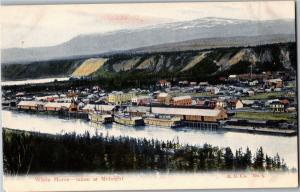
[33, 81]
[286, 147]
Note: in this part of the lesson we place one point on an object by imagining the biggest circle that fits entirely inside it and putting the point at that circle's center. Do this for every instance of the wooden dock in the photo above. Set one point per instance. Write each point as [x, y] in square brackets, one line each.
[213, 126]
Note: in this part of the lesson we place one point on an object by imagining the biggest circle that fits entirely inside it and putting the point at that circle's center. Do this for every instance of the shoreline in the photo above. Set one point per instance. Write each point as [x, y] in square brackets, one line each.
[240, 129]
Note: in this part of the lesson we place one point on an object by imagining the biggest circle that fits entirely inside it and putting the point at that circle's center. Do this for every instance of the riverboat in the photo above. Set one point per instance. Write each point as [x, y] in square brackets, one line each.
[100, 118]
[171, 122]
[128, 120]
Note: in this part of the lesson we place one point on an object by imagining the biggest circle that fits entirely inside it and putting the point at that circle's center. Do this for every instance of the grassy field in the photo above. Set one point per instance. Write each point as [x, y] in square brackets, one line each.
[270, 95]
[265, 116]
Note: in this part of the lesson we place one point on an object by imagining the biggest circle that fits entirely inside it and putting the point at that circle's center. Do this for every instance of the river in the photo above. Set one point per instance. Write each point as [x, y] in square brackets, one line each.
[33, 81]
[286, 147]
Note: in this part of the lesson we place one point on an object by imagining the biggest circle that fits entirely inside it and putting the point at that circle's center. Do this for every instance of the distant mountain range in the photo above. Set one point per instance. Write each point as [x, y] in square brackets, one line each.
[197, 34]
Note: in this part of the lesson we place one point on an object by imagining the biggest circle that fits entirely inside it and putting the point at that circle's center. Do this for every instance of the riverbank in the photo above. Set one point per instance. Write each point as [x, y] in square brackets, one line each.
[46, 153]
[210, 126]
[234, 140]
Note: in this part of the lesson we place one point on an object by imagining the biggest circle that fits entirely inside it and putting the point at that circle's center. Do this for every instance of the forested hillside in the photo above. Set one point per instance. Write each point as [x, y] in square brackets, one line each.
[198, 65]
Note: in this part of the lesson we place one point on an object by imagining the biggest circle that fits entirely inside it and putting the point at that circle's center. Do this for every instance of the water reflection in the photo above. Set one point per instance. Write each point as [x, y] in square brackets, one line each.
[286, 147]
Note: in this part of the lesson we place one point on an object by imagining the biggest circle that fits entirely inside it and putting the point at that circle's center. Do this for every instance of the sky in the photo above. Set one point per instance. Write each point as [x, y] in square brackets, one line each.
[48, 25]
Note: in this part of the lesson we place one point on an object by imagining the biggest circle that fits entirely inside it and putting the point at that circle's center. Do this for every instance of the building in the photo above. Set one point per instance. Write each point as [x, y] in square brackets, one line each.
[31, 105]
[192, 114]
[247, 102]
[119, 98]
[253, 83]
[232, 77]
[138, 110]
[250, 93]
[275, 83]
[181, 101]
[141, 100]
[220, 103]
[212, 90]
[53, 106]
[193, 83]
[183, 83]
[202, 84]
[107, 109]
[211, 104]
[52, 98]
[163, 98]
[163, 83]
[235, 104]
[277, 107]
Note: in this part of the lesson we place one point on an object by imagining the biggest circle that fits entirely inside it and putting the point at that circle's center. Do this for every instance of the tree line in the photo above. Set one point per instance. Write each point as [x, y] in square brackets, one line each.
[30, 152]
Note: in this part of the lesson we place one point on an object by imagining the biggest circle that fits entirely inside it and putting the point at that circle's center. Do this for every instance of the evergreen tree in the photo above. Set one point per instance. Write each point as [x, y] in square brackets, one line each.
[228, 159]
[259, 159]
[247, 159]
[268, 162]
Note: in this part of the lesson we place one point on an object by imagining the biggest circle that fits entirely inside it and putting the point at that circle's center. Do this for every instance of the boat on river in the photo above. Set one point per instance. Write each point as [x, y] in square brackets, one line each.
[100, 118]
[128, 120]
[164, 122]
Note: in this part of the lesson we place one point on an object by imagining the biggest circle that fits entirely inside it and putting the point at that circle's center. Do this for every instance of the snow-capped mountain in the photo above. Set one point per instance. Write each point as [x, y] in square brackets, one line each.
[205, 28]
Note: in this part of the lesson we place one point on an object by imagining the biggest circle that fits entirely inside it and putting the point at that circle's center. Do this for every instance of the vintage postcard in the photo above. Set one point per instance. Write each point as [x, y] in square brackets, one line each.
[149, 96]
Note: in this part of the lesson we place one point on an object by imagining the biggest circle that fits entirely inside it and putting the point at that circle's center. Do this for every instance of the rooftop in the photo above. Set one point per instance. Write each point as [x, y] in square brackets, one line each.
[181, 98]
[186, 111]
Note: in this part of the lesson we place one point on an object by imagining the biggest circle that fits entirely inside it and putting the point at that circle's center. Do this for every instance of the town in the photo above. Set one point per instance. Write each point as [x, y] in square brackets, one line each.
[259, 103]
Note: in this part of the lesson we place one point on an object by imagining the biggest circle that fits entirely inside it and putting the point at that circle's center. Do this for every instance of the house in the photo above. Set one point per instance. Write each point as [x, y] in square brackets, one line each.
[275, 83]
[31, 105]
[118, 98]
[212, 90]
[163, 83]
[277, 89]
[220, 103]
[200, 103]
[291, 109]
[54, 106]
[277, 107]
[20, 94]
[51, 98]
[141, 100]
[235, 104]
[268, 90]
[232, 77]
[192, 114]
[211, 104]
[163, 98]
[181, 101]
[268, 102]
[290, 94]
[183, 83]
[204, 83]
[253, 83]
[248, 103]
[193, 83]
[250, 93]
